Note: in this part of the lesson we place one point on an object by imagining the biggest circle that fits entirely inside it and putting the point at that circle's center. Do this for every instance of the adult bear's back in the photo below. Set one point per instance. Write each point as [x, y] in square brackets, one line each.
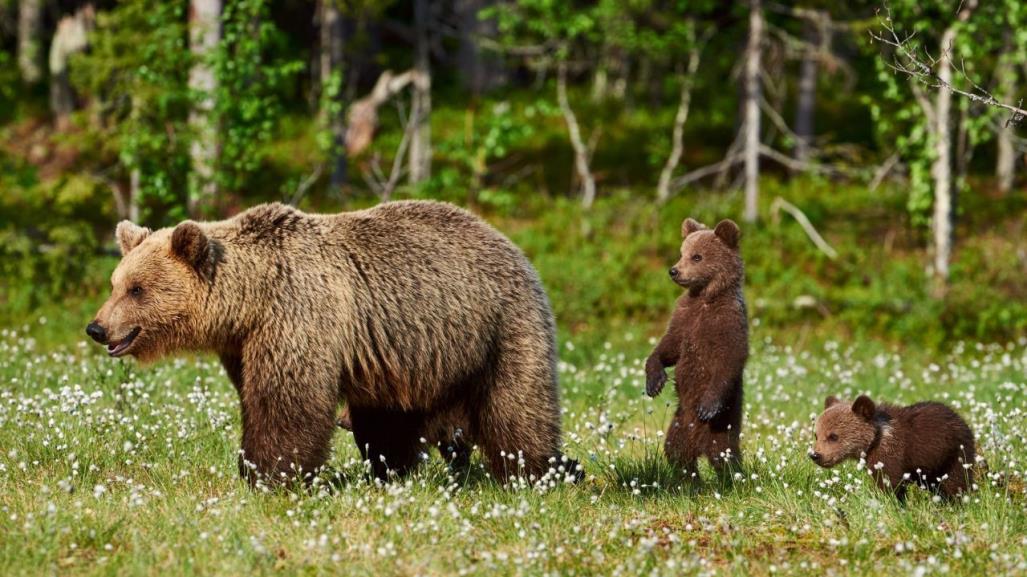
[435, 290]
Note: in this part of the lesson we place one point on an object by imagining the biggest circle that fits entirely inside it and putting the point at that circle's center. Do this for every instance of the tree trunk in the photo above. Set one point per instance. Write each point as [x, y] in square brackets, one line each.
[332, 41]
[941, 170]
[804, 110]
[30, 31]
[479, 71]
[588, 184]
[677, 139]
[420, 145]
[134, 196]
[204, 36]
[1005, 163]
[752, 111]
[71, 36]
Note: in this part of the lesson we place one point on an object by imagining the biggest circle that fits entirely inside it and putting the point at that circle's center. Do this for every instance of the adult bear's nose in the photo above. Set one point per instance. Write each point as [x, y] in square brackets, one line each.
[674, 272]
[96, 332]
[815, 456]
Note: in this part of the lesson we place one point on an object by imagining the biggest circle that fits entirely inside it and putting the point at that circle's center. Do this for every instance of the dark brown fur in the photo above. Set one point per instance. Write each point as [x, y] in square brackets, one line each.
[440, 432]
[707, 342]
[406, 311]
[925, 444]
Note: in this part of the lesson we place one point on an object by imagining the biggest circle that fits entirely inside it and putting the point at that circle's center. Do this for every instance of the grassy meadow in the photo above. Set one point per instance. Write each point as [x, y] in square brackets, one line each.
[109, 468]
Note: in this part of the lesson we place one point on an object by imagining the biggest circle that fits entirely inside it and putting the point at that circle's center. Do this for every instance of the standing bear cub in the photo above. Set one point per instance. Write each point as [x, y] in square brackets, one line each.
[707, 342]
[414, 313]
[926, 444]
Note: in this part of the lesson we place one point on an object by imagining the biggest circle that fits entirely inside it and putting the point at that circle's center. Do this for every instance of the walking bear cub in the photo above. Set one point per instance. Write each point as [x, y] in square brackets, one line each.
[707, 342]
[926, 444]
[417, 314]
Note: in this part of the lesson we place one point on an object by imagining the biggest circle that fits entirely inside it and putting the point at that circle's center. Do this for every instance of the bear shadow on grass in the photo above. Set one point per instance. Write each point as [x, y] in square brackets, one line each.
[653, 476]
[468, 471]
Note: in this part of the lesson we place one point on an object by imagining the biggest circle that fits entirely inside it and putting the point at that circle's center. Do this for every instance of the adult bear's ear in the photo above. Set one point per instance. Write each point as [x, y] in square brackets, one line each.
[830, 402]
[129, 235]
[728, 232]
[190, 244]
[864, 407]
[691, 225]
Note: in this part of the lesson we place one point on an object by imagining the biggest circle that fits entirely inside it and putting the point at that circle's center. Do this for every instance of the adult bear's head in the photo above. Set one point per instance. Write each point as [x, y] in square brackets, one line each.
[157, 290]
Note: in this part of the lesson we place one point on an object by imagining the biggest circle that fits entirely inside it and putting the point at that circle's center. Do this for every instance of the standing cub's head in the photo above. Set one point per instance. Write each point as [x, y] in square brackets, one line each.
[710, 260]
[156, 291]
[843, 431]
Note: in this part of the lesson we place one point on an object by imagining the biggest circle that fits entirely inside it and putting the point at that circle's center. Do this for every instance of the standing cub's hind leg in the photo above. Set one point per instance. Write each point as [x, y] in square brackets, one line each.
[680, 446]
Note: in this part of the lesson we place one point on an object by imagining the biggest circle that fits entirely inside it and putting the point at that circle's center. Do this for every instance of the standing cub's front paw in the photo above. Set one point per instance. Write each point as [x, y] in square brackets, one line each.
[708, 410]
[654, 381]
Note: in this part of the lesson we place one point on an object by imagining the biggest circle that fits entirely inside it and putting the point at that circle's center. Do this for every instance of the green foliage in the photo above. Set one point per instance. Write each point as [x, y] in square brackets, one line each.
[136, 75]
[47, 235]
[8, 81]
[252, 77]
[489, 134]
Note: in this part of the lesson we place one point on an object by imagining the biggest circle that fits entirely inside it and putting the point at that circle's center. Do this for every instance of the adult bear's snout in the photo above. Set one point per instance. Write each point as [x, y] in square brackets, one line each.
[96, 332]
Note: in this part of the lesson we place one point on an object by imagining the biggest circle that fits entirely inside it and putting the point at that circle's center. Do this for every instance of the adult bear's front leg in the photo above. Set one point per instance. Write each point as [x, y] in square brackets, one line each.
[288, 415]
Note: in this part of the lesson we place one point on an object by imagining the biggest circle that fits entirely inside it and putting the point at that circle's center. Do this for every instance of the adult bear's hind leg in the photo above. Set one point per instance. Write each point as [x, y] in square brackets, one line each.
[518, 420]
[389, 439]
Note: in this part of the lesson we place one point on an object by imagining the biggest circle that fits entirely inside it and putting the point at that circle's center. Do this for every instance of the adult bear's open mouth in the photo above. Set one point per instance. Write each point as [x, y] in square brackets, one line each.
[116, 349]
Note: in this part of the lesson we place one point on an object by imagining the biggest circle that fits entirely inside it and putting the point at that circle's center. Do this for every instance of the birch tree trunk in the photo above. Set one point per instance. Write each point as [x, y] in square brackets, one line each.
[1005, 163]
[332, 41]
[204, 35]
[588, 183]
[420, 145]
[752, 111]
[941, 170]
[677, 138]
[30, 32]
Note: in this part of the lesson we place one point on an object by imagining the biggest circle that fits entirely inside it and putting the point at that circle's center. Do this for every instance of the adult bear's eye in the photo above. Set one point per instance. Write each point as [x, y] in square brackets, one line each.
[832, 437]
[135, 291]
[696, 257]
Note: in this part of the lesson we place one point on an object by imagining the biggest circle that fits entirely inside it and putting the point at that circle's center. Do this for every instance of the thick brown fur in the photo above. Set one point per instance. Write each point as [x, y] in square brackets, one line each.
[925, 444]
[406, 311]
[707, 341]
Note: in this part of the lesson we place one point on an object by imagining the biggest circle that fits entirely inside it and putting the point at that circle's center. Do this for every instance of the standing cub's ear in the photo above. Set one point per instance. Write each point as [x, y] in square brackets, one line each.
[728, 232]
[129, 235]
[864, 407]
[190, 244]
[830, 402]
[691, 225]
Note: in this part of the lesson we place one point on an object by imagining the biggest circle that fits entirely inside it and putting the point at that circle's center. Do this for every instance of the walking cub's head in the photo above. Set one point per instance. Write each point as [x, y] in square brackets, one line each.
[710, 259]
[843, 431]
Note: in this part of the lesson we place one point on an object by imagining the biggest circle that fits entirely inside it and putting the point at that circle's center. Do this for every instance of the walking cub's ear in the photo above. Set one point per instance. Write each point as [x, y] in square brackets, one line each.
[864, 407]
[691, 225]
[728, 232]
[830, 402]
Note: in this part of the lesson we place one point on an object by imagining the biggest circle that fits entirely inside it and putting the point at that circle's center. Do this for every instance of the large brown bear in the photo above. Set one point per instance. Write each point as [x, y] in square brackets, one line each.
[411, 312]
[707, 342]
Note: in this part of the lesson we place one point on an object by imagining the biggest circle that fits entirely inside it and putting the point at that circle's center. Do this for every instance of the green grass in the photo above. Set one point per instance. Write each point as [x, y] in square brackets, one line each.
[110, 468]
